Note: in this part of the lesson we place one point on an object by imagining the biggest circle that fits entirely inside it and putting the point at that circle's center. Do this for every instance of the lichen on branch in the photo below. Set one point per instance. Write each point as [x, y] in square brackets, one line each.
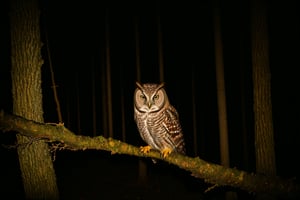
[62, 138]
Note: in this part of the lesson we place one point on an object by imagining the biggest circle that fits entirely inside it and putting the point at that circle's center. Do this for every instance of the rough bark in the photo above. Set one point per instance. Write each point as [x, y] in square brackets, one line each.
[36, 166]
[263, 122]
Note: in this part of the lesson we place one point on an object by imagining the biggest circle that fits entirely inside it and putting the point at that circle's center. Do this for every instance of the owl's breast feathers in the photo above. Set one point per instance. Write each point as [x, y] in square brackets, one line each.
[141, 122]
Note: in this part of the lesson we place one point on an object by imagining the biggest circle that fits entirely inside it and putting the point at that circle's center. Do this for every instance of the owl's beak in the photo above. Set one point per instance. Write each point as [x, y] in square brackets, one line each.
[149, 105]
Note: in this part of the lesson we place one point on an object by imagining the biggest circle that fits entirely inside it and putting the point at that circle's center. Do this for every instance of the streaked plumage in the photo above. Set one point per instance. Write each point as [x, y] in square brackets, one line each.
[157, 120]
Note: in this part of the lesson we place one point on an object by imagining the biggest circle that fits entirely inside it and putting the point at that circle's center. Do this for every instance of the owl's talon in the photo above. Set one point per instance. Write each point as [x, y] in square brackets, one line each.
[165, 152]
[145, 149]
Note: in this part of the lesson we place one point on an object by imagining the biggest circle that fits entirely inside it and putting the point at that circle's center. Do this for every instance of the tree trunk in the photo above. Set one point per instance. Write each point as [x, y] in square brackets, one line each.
[108, 78]
[264, 139]
[36, 166]
[160, 50]
[221, 95]
[142, 176]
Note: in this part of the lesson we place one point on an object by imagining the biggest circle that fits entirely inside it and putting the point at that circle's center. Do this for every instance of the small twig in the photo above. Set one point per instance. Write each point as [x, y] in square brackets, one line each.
[10, 146]
[54, 146]
[55, 124]
[211, 188]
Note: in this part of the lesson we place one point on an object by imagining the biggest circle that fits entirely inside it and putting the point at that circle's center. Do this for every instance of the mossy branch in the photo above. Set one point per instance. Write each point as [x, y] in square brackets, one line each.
[209, 172]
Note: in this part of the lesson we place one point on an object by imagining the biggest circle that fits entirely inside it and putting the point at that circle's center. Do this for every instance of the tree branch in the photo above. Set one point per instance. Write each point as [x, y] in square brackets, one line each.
[209, 172]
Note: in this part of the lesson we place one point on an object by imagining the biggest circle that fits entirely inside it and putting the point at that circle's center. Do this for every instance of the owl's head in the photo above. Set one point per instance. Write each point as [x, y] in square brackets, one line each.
[150, 97]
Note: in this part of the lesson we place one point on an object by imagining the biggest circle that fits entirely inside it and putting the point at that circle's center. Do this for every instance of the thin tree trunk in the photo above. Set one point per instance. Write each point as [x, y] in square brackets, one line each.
[36, 166]
[137, 50]
[142, 164]
[224, 147]
[221, 94]
[123, 114]
[94, 107]
[104, 98]
[78, 113]
[108, 78]
[160, 50]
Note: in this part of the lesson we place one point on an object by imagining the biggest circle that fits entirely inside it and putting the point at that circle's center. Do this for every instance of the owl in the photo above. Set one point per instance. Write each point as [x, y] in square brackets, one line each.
[157, 120]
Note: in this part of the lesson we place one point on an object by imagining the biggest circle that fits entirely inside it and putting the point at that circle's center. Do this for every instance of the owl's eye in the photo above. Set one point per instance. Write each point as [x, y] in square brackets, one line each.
[142, 96]
[155, 97]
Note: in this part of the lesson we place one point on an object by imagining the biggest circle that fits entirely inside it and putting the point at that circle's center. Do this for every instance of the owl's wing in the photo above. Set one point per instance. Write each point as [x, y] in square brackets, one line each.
[171, 122]
[174, 130]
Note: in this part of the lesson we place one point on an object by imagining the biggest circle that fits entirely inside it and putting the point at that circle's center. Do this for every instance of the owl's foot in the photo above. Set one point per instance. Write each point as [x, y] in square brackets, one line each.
[145, 149]
[165, 152]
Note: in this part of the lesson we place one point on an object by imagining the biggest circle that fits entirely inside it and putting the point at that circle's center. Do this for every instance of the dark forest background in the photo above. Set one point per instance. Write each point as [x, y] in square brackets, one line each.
[75, 33]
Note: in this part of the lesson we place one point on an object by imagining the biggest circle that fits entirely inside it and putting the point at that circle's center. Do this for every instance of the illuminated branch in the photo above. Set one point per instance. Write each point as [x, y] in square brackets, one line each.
[209, 172]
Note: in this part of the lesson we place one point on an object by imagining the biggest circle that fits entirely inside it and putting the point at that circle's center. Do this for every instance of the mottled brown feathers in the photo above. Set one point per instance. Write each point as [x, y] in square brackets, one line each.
[157, 120]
